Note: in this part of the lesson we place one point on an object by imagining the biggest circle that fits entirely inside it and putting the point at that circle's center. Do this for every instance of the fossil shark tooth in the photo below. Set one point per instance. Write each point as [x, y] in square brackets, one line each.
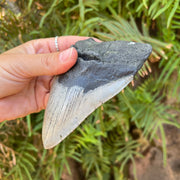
[102, 71]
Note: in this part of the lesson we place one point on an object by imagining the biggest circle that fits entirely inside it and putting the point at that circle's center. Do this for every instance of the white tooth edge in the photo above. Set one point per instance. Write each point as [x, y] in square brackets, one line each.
[68, 107]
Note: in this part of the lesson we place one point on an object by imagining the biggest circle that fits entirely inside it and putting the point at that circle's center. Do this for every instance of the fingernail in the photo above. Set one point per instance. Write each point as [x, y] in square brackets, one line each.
[65, 55]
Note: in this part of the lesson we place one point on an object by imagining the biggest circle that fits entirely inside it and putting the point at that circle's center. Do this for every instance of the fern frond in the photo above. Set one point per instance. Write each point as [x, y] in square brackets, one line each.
[176, 19]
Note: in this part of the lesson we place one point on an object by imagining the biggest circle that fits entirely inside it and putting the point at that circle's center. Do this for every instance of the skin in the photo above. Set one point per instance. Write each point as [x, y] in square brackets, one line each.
[26, 74]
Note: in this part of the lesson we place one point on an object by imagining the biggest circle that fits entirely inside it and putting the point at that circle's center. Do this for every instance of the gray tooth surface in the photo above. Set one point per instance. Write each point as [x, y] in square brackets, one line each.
[102, 71]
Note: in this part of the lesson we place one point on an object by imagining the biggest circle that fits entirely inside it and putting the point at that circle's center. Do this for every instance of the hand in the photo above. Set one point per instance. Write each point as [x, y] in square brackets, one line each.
[26, 73]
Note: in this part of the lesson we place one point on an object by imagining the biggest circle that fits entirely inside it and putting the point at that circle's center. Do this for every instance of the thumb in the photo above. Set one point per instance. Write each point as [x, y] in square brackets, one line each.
[52, 63]
[32, 65]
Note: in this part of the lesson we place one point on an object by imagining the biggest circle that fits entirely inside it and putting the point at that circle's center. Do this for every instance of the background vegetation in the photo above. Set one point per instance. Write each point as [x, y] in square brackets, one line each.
[123, 128]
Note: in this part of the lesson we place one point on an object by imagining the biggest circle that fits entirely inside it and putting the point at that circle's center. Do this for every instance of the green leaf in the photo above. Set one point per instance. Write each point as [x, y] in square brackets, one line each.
[26, 171]
[173, 11]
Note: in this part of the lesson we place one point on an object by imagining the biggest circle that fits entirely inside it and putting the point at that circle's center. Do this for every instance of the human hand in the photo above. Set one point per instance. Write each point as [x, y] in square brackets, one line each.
[26, 73]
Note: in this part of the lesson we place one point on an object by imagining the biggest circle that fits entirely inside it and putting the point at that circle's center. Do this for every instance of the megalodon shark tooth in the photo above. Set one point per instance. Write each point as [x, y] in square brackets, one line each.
[102, 70]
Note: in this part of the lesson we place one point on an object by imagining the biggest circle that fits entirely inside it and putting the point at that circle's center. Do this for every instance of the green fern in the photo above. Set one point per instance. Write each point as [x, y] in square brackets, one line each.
[123, 128]
[175, 19]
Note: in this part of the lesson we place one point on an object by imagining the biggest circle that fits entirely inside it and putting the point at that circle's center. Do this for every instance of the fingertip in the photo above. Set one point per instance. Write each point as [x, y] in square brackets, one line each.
[74, 54]
[67, 59]
[68, 55]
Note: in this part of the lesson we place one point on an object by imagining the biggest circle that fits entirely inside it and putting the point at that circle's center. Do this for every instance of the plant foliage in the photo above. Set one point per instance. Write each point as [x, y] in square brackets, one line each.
[123, 128]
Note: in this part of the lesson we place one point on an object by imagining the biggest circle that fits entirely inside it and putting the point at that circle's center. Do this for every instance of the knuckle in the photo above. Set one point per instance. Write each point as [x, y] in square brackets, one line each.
[45, 61]
[31, 42]
[49, 64]
[29, 46]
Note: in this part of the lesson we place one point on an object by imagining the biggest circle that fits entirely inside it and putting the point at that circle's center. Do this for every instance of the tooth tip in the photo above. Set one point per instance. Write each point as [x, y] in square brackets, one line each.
[48, 144]
[49, 141]
[46, 147]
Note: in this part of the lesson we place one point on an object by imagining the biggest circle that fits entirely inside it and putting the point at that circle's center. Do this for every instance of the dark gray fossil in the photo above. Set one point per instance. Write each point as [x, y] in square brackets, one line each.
[102, 71]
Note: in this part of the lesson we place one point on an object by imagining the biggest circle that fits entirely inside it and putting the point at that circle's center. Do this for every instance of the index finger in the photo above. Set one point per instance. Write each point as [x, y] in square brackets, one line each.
[47, 45]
